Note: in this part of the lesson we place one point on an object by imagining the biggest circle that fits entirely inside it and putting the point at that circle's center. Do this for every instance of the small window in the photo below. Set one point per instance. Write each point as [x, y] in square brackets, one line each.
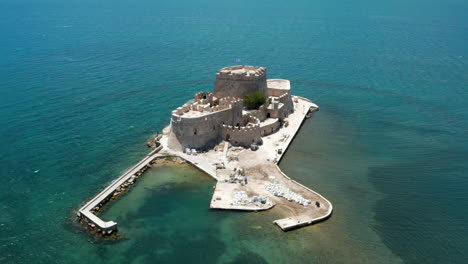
[195, 131]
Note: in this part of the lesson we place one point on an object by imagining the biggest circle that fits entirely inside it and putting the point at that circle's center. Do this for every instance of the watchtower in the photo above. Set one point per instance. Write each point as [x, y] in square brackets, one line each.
[237, 81]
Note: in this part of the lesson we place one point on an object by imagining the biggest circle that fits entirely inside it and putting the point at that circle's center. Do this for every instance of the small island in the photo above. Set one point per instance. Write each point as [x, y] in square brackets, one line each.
[237, 134]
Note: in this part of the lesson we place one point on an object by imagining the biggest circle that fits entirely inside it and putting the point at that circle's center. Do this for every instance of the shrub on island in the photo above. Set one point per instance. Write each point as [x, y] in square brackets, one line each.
[254, 100]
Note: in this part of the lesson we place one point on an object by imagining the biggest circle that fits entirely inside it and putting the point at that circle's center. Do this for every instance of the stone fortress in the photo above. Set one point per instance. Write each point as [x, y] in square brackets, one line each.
[221, 115]
[238, 147]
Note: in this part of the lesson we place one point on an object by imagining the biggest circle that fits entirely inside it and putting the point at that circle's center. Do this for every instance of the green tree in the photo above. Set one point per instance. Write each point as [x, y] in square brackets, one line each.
[254, 100]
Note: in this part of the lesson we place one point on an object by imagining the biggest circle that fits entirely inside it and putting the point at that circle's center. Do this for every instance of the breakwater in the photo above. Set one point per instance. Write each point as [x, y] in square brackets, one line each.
[87, 213]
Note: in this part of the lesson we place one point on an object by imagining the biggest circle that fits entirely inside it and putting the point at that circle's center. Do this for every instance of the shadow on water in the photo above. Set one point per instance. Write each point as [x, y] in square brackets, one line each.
[426, 204]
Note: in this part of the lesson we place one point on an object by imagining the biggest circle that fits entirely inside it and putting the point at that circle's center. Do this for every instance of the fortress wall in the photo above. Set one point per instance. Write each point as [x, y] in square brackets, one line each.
[241, 136]
[275, 92]
[202, 132]
[288, 107]
[202, 106]
[261, 113]
[253, 120]
[203, 98]
[274, 113]
[237, 84]
[270, 128]
[277, 87]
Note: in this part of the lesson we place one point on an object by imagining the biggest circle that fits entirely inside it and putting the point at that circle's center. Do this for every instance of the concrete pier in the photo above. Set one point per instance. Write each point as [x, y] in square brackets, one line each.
[104, 195]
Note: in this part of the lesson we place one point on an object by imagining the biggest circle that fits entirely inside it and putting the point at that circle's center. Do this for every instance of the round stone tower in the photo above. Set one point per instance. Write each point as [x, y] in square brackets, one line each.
[237, 81]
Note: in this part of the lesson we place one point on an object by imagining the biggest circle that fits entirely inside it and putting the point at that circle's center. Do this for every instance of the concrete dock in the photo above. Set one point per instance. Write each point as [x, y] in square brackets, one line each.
[95, 203]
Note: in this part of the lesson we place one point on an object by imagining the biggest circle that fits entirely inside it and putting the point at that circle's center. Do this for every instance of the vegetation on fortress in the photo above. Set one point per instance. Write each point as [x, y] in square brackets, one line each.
[254, 100]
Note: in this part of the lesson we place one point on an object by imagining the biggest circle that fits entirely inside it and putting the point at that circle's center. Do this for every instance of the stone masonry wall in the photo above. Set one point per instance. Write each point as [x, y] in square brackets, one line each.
[288, 105]
[261, 113]
[203, 132]
[270, 128]
[237, 84]
[243, 135]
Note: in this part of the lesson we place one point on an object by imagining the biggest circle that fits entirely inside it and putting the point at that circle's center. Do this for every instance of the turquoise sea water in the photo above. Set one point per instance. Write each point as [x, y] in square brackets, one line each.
[84, 84]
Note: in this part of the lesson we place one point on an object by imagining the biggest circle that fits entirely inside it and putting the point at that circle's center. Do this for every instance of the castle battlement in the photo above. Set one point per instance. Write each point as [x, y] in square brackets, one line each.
[203, 98]
[220, 115]
[253, 124]
[241, 73]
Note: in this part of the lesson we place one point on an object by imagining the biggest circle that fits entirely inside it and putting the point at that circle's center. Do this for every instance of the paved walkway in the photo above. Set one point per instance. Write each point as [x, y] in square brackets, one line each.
[86, 210]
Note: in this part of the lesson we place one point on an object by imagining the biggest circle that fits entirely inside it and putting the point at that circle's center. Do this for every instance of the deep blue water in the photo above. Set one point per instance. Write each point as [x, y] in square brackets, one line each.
[85, 83]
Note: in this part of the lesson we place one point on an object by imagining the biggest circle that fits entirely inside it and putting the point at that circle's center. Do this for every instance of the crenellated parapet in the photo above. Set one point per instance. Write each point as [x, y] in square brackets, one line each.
[217, 116]
[198, 126]
[200, 108]
[228, 102]
[243, 135]
[240, 72]
[203, 98]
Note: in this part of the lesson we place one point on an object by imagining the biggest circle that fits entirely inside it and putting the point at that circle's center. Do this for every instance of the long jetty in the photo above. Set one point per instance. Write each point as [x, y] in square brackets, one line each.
[96, 203]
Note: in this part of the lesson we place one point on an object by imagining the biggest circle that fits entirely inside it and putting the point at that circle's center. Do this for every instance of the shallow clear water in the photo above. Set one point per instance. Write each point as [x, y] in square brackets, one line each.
[84, 84]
